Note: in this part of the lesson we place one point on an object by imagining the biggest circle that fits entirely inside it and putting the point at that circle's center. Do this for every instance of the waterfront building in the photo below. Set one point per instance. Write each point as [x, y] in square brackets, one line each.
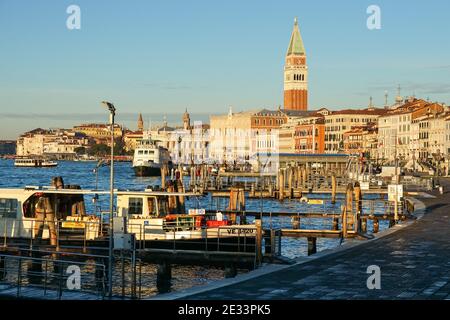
[268, 133]
[431, 135]
[190, 144]
[64, 145]
[231, 136]
[239, 136]
[161, 134]
[287, 136]
[296, 73]
[32, 142]
[403, 132]
[303, 134]
[309, 137]
[101, 133]
[187, 144]
[339, 122]
[362, 141]
[447, 142]
[56, 143]
[436, 136]
[131, 138]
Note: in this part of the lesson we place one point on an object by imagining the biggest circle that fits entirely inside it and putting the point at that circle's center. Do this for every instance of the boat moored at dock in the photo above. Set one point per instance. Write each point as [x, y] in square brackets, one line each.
[149, 158]
[58, 216]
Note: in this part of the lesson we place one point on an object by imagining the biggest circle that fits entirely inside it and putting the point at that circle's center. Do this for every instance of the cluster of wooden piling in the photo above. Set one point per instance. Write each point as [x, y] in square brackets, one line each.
[294, 181]
[174, 184]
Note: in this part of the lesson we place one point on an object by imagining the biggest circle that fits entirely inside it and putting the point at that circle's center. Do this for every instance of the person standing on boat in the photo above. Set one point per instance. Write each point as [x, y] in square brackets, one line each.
[45, 214]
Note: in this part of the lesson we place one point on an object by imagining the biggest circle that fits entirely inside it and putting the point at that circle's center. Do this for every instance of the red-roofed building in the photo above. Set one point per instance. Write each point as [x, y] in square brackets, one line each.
[339, 122]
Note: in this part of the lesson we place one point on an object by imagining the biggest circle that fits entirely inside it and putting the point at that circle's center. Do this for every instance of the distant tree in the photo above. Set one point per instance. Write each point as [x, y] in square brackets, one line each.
[119, 147]
[100, 149]
[80, 150]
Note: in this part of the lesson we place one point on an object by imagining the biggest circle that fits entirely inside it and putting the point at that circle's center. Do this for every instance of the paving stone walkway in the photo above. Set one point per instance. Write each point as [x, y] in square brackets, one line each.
[414, 263]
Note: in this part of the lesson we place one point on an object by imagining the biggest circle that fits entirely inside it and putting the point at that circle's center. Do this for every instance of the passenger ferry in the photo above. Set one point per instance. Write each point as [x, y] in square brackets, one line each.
[146, 215]
[34, 163]
[149, 158]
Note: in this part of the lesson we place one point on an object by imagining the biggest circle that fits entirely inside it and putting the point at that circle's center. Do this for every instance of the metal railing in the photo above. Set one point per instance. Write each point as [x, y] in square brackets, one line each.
[32, 232]
[50, 275]
[52, 278]
[370, 207]
[221, 238]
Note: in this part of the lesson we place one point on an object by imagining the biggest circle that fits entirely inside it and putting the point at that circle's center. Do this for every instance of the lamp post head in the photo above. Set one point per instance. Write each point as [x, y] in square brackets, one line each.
[110, 106]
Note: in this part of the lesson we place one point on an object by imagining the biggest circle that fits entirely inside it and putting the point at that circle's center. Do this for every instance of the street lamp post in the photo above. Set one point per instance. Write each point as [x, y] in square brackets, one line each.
[112, 113]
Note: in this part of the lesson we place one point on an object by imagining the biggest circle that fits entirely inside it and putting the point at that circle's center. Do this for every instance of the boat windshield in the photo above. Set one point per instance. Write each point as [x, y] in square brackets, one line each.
[136, 206]
[63, 204]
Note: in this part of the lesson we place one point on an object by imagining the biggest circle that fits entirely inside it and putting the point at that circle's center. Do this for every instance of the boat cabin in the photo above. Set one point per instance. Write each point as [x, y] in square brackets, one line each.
[20, 212]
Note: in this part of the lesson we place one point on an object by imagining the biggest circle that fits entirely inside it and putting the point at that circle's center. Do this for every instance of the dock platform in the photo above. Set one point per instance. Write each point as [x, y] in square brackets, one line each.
[414, 263]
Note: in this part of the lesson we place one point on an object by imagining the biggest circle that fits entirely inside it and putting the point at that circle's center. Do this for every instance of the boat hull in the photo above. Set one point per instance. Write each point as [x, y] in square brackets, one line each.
[144, 171]
[36, 166]
[229, 244]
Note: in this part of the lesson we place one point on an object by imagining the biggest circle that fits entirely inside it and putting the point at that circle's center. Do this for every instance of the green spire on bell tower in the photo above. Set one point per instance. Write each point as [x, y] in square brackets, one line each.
[296, 44]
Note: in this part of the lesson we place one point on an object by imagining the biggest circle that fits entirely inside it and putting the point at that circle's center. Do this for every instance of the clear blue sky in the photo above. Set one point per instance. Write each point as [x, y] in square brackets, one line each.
[159, 57]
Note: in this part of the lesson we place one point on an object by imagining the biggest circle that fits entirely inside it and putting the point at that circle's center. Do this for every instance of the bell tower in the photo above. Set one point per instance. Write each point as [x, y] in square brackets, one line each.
[296, 73]
[186, 120]
[140, 123]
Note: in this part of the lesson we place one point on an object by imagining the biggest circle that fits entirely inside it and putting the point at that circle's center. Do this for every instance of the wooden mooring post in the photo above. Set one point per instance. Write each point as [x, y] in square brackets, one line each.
[258, 243]
[333, 188]
[269, 243]
[312, 245]
[344, 222]
[181, 200]
[270, 189]
[230, 270]
[163, 177]
[364, 225]
[290, 182]
[295, 222]
[376, 225]
[281, 185]
[237, 201]
[335, 224]
[164, 273]
[349, 221]
[358, 201]
[2, 268]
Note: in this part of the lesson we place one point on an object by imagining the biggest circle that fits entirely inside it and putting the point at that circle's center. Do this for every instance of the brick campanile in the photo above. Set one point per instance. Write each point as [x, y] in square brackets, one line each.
[296, 73]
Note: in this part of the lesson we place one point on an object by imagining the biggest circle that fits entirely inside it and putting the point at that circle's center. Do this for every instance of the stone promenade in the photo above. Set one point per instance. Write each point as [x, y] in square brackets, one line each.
[414, 263]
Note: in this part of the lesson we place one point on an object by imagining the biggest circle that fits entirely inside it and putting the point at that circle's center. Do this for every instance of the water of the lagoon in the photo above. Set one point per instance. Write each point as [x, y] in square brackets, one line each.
[81, 173]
